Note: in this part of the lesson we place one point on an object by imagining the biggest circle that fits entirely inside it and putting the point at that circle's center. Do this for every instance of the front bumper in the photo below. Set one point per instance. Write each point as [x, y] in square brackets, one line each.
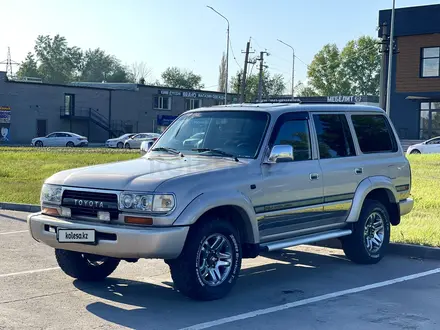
[406, 206]
[116, 241]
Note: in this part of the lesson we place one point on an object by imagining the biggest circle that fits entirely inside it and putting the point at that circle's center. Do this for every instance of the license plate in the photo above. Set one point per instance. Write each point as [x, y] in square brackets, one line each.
[76, 236]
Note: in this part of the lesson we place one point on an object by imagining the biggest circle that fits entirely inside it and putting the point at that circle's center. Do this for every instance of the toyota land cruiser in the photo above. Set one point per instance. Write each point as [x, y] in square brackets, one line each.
[230, 182]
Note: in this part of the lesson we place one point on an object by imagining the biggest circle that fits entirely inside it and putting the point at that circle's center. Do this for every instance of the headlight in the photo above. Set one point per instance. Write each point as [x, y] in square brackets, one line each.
[51, 194]
[146, 202]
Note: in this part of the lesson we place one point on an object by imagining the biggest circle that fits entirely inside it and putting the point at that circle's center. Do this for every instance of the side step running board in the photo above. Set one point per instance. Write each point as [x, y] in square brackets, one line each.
[278, 245]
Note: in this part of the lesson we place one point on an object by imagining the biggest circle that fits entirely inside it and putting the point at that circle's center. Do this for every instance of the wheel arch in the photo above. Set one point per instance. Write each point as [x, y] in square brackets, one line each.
[378, 188]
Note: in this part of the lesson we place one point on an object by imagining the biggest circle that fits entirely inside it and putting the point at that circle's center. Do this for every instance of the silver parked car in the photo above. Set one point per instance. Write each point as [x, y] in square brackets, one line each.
[431, 146]
[136, 140]
[60, 139]
[266, 177]
[119, 141]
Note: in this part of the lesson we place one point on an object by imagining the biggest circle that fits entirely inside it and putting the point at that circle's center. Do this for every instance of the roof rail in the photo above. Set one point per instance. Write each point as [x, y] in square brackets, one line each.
[324, 102]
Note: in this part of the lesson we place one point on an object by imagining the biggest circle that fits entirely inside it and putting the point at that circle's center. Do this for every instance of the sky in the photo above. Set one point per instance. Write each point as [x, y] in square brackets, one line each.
[189, 35]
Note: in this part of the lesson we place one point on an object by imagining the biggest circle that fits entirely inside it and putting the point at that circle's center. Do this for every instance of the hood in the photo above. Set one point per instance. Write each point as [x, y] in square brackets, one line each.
[415, 145]
[142, 174]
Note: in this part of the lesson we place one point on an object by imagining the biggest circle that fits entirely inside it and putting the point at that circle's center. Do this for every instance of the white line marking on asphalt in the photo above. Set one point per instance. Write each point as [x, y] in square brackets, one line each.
[29, 272]
[14, 232]
[312, 300]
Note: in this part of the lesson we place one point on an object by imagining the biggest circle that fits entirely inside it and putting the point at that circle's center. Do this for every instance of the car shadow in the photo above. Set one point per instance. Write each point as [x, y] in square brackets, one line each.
[146, 305]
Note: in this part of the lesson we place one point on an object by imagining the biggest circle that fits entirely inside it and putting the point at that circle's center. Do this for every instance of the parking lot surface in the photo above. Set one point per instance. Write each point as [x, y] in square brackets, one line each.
[303, 288]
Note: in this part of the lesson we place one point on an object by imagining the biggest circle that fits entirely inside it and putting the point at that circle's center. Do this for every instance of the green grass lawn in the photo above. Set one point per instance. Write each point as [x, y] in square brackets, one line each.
[23, 170]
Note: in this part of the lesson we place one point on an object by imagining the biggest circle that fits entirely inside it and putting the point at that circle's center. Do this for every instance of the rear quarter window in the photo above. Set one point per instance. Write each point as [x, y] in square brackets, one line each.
[374, 134]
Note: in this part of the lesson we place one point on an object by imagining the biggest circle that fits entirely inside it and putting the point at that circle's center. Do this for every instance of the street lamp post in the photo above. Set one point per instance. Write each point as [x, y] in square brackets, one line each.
[227, 54]
[293, 65]
[390, 60]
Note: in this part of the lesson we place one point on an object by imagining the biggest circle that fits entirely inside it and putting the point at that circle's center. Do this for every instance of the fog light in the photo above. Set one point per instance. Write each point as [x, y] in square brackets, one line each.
[104, 216]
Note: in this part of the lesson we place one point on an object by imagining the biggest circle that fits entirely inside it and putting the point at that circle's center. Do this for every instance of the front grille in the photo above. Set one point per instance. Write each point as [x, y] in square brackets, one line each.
[87, 203]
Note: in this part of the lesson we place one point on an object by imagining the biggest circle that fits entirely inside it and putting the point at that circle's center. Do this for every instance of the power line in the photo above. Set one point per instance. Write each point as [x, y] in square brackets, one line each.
[233, 54]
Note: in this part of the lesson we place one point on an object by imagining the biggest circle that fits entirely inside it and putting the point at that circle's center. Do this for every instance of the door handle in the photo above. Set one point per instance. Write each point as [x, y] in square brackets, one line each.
[358, 170]
[314, 176]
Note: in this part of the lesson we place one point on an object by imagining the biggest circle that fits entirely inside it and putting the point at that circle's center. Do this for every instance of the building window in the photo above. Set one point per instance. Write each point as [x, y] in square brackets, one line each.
[429, 120]
[192, 104]
[162, 103]
[431, 62]
[69, 104]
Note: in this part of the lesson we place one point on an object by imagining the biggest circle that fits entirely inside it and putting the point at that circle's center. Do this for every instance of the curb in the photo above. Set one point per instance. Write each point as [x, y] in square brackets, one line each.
[405, 250]
[20, 207]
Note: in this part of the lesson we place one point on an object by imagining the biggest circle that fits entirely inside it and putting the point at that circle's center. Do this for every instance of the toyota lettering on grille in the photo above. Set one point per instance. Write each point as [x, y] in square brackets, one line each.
[86, 203]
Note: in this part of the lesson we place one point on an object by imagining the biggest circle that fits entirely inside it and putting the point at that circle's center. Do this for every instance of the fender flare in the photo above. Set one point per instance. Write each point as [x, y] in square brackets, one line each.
[208, 201]
[364, 188]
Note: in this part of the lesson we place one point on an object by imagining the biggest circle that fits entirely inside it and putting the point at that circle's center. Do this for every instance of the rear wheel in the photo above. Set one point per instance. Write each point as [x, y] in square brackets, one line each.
[120, 145]
[127, 146]
[371, 235]
[210, 262]
[84, 266]
[70, 144]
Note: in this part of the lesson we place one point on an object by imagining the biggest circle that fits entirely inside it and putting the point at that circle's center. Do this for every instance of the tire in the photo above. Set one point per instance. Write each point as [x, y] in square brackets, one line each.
[39, 144]
[120, 145]
[415, 152]
[187, 270]
[84, 267]
[357, 246]
[70, 144]
[127, 146]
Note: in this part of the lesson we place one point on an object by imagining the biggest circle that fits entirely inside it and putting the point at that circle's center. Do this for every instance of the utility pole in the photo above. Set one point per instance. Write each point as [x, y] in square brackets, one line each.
[383, 63]
[390, 60]
[243, 79]
[260, 82]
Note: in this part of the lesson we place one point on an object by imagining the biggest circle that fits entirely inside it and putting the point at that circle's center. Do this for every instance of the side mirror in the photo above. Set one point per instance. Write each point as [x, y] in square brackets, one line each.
[280, 154]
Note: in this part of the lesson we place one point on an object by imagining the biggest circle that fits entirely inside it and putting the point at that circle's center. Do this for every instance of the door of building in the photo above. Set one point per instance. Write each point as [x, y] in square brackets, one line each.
[41, 127]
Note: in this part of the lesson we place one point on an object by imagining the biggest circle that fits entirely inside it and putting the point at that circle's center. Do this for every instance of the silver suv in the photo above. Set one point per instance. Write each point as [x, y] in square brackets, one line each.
[263, 177]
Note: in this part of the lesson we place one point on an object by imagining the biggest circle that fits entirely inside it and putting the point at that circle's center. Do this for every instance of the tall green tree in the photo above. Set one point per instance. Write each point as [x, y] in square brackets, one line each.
[29, 67]
[304, 90]
[325, 73]
[360, 60]
[178, 78]
[273, 85]
[222, 74]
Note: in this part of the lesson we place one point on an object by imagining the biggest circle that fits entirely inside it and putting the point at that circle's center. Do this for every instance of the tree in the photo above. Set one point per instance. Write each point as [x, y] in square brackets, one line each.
[355, 70]
[140, 72]
[304, 90]
[222, 74]
[361, 63]
[326, 74]
[272, 85]
[29, 67]
[175, 77]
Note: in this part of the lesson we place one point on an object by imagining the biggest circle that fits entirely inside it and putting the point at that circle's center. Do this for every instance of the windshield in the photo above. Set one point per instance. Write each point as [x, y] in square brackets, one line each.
[238, 133]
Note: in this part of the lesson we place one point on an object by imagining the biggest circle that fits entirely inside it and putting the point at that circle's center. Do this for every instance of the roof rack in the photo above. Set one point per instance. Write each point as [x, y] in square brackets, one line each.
[324, 102]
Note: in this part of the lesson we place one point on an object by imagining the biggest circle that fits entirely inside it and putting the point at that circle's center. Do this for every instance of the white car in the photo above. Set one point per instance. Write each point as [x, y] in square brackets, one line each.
[431, 146]
[119, 141]
[60, 139]
[135, 141]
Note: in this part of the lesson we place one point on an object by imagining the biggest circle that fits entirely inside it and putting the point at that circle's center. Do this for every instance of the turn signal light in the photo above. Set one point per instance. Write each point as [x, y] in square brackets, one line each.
[139, 221]
[50, 211]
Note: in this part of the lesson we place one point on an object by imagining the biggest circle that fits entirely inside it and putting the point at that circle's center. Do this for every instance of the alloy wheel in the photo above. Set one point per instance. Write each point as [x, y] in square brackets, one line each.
[374, 232]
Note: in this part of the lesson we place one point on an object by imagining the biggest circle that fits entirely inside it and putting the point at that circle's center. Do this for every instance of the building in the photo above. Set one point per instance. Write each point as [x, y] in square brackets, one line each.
[415, 90]
[97, 110]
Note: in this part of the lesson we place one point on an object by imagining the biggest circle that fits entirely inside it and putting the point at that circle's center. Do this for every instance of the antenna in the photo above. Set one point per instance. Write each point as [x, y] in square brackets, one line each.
[9, 63]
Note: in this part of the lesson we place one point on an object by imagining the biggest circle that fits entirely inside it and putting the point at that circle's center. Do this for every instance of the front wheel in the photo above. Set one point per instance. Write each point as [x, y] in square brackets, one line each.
[415, 152]
[84, 266]
[210, 262]
[371, 235]
[120, 145]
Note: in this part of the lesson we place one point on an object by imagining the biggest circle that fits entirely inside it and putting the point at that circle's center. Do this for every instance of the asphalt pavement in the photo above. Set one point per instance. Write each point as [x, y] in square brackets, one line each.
[303, 288]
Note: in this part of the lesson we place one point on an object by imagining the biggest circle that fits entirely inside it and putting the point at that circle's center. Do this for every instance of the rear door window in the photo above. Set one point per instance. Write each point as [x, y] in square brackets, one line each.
[374, 134]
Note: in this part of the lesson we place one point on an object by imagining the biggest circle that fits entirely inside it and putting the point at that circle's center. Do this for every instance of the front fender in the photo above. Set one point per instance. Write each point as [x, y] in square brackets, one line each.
[364, 188]
[208, 201]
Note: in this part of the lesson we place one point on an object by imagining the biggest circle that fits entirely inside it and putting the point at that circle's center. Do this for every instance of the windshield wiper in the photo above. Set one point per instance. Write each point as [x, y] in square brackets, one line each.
[217, 151]
[169, 150]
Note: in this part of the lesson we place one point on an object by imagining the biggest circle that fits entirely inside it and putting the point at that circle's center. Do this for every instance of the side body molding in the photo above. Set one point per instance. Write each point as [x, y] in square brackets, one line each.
[364, 188]
[208, 201]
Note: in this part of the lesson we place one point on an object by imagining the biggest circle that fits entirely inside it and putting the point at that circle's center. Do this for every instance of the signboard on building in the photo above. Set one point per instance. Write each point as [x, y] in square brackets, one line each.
[198, 95]
[164, 120]
[5, 115]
